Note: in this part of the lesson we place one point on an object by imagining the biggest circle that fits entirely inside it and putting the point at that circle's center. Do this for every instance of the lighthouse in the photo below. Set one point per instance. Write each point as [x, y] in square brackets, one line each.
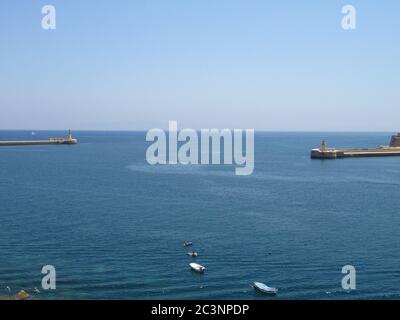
[69, 139]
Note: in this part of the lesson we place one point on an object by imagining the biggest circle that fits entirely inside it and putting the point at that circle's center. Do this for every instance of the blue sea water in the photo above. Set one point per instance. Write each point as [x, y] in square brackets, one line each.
[113, 226]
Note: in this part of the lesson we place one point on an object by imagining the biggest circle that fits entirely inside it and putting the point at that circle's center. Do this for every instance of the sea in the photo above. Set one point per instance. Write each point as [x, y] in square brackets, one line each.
[113, 226]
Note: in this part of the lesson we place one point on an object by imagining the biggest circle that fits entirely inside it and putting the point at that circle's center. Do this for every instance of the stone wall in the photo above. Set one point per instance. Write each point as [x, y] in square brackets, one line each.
[395, 142]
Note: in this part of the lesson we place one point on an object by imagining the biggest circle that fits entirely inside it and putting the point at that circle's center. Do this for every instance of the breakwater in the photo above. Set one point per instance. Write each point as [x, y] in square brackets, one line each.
[393, 149]
[68, 140]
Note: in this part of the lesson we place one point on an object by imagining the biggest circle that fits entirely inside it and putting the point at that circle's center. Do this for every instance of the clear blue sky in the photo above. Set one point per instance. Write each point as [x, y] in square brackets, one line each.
[270, 65]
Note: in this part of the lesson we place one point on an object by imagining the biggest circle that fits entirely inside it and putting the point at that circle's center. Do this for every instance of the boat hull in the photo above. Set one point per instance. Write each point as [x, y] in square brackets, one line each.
[260, 287]
[197, 267]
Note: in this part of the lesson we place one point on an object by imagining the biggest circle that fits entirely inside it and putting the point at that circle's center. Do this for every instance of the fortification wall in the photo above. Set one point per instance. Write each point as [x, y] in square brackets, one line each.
[395, 142]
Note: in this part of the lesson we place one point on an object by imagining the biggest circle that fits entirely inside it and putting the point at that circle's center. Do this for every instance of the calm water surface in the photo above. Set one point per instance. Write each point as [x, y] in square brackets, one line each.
[113, 226]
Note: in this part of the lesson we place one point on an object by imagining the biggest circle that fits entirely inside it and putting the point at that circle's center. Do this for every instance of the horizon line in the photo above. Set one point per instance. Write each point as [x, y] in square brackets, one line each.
[166, 129]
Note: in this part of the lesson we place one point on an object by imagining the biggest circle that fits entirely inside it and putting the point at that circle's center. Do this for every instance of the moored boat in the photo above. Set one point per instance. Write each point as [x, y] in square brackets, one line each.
[197, 267]
[261, 287]
[192, 254]
[187, 243]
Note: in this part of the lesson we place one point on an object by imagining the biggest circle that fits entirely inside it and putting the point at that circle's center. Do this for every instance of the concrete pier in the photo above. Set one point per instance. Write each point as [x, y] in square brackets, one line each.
[67, 140]
[384, 151]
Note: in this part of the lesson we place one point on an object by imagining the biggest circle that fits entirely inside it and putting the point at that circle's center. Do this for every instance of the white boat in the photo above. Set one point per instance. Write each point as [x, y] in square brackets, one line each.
[187, 243]
[197, 267]
[192, 254]
[264, 288]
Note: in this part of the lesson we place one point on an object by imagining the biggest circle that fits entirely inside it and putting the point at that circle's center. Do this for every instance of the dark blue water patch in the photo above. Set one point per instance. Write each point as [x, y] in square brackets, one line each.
[113, 226]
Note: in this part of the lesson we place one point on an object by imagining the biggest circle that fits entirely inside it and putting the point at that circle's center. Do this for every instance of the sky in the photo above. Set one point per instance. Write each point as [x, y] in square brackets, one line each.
[134, 65]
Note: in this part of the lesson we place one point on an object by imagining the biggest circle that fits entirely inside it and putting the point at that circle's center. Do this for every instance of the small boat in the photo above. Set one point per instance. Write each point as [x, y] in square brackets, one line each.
[187, 243]
[264, 288]
[23, 295]
[197, 267]
[192, 254]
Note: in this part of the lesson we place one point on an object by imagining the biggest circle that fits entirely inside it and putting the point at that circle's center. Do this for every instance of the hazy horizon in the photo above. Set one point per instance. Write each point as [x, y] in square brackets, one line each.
[197, 129]
[274, 66]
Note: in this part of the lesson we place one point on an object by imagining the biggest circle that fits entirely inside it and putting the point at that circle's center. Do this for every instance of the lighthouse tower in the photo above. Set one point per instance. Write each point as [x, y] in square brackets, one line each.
[69, 139]
[69, 136]
[323, 145]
